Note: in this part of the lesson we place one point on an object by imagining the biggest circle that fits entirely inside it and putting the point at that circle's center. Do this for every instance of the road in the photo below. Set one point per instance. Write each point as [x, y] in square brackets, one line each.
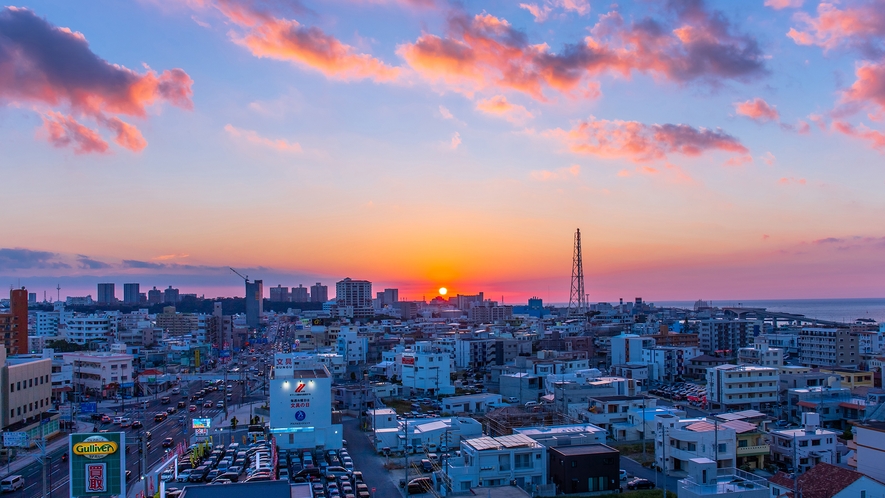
[364, 460]
[58, 470]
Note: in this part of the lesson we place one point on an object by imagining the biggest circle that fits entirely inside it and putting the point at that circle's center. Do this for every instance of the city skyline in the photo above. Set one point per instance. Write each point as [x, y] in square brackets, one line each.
[707, 150]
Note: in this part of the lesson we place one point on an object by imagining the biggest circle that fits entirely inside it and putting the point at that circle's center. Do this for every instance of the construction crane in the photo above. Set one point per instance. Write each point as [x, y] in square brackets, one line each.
[246, 278]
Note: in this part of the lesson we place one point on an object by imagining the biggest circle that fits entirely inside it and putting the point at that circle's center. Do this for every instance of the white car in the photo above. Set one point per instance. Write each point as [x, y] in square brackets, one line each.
[167, 475]
[623, 475]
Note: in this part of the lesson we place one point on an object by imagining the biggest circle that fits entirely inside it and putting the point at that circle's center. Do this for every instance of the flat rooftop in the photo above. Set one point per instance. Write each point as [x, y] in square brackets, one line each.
[558, 429]
[583, 449]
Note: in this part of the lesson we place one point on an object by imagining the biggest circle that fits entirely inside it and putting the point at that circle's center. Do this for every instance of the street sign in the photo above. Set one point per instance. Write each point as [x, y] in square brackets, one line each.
[97, 464]
[90, 407]
[15, 439]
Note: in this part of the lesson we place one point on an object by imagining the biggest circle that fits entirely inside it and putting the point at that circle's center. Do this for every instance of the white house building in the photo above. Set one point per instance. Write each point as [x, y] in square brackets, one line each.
[802, 448]
[678, 441]
[498, 461]
[426, 370]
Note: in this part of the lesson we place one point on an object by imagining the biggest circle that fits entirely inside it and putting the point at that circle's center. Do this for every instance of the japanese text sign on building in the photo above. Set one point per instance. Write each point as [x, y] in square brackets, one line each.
[97, 464]
[284, 365]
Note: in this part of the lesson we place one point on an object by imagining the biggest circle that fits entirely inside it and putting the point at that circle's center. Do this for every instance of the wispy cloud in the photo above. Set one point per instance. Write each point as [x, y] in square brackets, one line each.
[455, 141]
[254, 138]
[544, 175]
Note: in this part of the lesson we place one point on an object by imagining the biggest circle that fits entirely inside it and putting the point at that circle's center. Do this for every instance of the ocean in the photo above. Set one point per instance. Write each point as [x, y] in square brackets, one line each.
[837, 310]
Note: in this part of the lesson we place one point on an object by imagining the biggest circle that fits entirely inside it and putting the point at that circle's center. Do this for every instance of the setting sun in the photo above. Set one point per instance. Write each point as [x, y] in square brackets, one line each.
[443, 291]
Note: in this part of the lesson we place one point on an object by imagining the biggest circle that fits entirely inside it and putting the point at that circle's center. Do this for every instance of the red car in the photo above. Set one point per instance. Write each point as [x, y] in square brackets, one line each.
[192, 408]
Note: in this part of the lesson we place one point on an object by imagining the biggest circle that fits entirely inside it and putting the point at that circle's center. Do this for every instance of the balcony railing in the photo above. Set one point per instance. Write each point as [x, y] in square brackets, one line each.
[759, 449]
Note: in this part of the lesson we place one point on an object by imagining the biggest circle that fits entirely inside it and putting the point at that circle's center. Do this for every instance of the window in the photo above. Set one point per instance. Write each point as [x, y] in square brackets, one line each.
[12, 387]
[723, 447]
[504, 462]
[815, 442]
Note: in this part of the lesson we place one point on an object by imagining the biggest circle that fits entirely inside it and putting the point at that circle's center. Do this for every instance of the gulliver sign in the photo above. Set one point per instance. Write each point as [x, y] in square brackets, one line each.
[98, 464]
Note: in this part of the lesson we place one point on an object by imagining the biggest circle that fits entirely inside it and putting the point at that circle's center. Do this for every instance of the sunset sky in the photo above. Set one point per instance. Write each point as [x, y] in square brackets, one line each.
[715, 150]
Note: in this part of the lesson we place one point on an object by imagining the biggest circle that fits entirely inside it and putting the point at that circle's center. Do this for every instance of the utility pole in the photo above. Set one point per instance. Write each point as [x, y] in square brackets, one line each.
[664, 459]
[41, 443]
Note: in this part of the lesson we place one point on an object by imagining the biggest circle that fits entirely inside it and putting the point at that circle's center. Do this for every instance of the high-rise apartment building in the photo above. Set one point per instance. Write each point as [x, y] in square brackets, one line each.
[279, 294]
[170, 295]
[299, 294]
[717, 334]
[254, 303]
[130, 293]
[106, 294]
[828, 347]
[319, 293]
[388, 298]
[14, 325]
[155, 296]
[356, 294]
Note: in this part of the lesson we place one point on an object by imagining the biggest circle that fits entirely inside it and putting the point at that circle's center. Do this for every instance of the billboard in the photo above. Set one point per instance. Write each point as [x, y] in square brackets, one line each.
[17, 439]
[300, 403]
[98, 464]
[201, 426]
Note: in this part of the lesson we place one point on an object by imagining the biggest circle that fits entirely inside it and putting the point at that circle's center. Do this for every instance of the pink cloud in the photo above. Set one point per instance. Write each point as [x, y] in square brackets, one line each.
[757, 110]
[455, 141]
[128, 136]
[641, 142]
[560, 174]
[446, 114]
[792, 181]
[869, 87]
[63, 131]
[498, 105]
[856, 26]
[254, 138]
[266, 35]
[784, 4]
[690, 44]
[875, 138]
[54, 67]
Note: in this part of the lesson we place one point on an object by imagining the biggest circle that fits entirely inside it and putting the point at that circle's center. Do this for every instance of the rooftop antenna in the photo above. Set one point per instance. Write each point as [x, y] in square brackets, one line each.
[577, 304]
[58, 289]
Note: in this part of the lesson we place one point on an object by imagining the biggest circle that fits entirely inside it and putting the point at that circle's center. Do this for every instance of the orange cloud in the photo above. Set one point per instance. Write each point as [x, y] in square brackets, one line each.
[641, 142]
[54, 67]
[253, 137]
[544, 175]
[784, 4]
[498, 105]
[757, 110]
[286, 39]
[486, 51]
[63, 131]
[855, 26]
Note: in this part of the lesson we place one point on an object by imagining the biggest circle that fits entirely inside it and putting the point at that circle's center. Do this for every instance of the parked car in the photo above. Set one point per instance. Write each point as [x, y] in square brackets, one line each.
[184, 475]
[623, 475]
[640, 483]
[419, 485]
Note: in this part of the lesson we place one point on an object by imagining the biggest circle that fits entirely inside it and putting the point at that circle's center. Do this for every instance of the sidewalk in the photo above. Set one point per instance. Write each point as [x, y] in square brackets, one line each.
[24, 458]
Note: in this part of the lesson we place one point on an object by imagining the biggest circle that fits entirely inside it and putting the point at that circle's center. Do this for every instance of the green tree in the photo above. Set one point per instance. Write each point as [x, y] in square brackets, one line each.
[233, 423]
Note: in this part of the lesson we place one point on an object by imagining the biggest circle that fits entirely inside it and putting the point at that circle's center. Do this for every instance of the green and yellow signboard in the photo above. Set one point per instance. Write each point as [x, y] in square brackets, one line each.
[98, 464]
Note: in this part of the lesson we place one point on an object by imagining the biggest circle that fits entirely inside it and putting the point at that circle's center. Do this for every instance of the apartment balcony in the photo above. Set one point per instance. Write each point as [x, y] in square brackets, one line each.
[759, 449]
